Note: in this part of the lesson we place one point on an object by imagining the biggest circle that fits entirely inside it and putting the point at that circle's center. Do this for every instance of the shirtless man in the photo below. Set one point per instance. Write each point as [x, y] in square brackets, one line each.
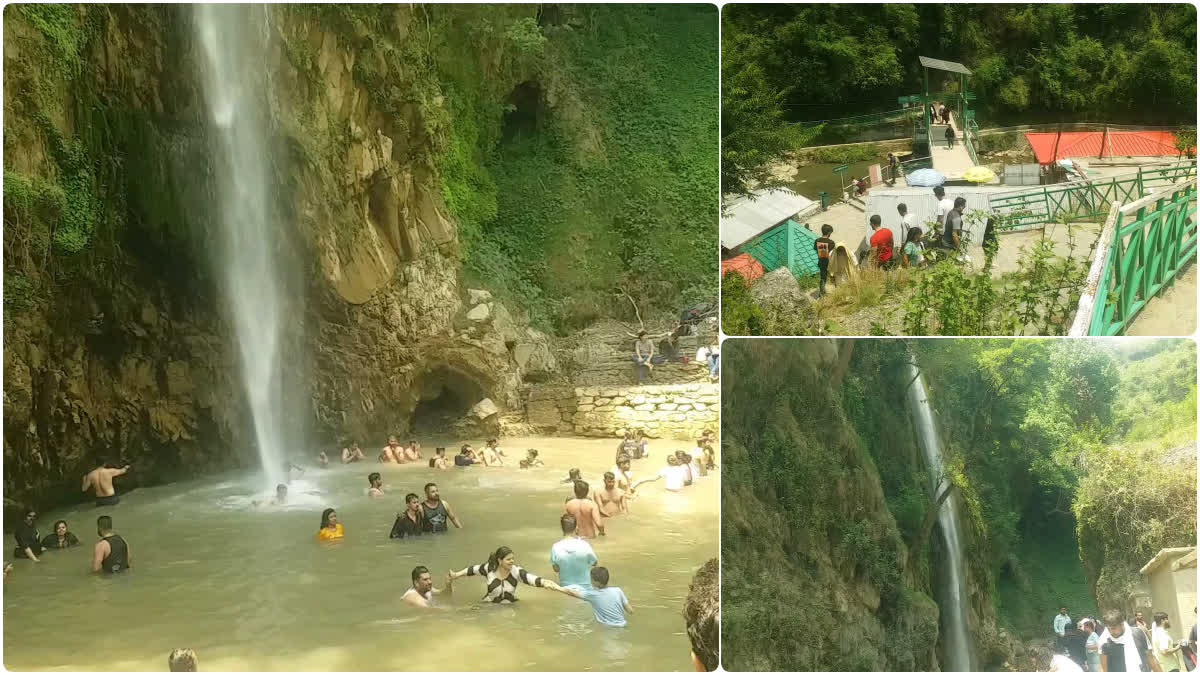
[438, 461]
[493, 445]
[587, 513]
[376, 483]
[391, 452]
[101, 480]
[612, 498]
[624, 474]
[413, 452]
[489, 455]
[352, 454]
[422, 591]
[111, 554]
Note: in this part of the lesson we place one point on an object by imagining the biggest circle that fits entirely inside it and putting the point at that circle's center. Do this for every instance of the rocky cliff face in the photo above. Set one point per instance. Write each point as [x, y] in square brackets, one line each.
[116, 344]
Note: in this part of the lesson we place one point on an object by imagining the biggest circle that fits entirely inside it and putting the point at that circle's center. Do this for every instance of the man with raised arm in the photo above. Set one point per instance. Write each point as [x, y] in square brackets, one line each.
[100, 479]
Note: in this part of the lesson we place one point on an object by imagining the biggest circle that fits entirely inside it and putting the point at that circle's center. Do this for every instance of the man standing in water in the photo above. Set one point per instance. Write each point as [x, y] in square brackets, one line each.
[111, 553]
[352, 454]
[586, 512]
[376, 485]
[101, 480]
[612, 498]
[437, 511]
[413, 452]
[391, 453]
[572, 557]
[422, 591]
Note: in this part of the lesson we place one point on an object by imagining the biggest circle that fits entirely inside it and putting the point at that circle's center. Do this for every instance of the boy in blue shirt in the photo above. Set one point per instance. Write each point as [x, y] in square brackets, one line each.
[609, 604]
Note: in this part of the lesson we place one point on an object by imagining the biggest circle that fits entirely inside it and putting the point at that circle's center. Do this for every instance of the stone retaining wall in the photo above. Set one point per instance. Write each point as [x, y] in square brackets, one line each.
[678, 411]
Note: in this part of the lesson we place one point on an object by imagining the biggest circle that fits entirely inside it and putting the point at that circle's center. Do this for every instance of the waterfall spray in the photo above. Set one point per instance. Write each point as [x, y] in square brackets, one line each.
[950, 586]
[233, 87]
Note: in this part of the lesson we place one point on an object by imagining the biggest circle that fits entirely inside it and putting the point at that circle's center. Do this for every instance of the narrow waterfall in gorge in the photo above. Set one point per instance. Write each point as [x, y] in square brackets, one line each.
[950, 586]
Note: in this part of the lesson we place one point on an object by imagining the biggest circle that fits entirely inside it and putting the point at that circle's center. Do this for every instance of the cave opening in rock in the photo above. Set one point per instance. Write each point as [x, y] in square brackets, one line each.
[526, 111]
[446, 394]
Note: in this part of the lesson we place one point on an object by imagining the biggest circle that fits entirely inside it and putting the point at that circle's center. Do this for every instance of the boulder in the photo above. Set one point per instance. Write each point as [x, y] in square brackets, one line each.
[476, 296]
[536, 361]
[479, 313]
[504, 325]
[483, 410]
[778, 288]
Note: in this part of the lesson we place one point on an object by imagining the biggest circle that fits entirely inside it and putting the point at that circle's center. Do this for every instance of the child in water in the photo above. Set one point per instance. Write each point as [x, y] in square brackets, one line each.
[609, 604]
[531, 459]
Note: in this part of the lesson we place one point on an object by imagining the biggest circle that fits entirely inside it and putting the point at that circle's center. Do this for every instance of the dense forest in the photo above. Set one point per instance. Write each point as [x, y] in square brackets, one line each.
[1051, 445]
[1124, 63]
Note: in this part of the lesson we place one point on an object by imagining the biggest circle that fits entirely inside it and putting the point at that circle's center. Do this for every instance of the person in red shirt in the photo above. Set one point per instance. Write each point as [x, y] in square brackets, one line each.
[881, 244]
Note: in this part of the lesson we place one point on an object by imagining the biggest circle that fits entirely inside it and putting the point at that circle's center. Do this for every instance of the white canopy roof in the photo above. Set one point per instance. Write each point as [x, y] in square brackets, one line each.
[744, 219]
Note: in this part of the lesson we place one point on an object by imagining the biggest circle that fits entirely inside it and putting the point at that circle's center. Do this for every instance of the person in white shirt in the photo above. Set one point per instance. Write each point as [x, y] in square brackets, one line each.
[945, 205]
[906, 221]
[674, 474]
[1061, 621]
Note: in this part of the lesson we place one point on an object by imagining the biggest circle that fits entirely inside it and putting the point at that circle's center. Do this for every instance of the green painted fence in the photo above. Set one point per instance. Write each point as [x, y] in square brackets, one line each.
[788, 244]
[1083, 201]
[1142, 247]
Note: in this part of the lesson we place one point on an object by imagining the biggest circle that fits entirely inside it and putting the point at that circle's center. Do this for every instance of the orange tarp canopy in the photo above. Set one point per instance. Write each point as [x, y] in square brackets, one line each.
[1098, 144]
[744, 265]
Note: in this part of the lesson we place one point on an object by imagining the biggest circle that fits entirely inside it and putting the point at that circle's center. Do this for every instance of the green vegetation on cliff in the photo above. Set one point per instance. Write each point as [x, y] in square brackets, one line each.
[815, 572]
[577, 146]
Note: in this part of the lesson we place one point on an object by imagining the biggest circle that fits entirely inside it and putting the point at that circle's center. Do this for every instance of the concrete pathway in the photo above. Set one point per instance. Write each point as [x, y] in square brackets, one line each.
[951, 162]
[1171, 314]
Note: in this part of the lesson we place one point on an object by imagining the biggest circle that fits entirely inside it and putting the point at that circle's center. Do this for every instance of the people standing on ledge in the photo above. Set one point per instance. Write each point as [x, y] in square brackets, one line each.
[61, 537]
[111, 554]
[330, 527]
[100, 479]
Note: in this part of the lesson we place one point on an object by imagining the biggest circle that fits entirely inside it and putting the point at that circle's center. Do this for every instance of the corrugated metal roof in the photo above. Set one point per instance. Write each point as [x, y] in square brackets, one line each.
[922, 205]
[1089, 144]
[944, 65]
[746, 218]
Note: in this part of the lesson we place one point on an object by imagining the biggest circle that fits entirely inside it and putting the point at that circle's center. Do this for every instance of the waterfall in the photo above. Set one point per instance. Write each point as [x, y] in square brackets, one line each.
[234, 88]
[950, 586]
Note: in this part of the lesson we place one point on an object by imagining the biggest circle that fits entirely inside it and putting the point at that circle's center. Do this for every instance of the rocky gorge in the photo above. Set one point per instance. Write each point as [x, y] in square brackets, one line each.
[117, 346]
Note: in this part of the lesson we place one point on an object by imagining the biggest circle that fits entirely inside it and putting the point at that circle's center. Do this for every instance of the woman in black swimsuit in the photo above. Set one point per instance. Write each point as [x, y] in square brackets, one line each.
[503, 575]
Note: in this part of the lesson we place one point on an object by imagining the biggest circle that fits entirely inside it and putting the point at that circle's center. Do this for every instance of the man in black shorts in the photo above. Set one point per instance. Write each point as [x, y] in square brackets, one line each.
[824, 248]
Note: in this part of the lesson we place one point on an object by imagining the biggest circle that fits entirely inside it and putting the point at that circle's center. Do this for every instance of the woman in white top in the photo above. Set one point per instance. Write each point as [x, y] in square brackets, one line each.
[503, 575]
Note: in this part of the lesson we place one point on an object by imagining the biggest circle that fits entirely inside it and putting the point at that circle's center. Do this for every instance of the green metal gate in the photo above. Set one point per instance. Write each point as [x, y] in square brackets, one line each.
[1086, 201]
[1146, 241]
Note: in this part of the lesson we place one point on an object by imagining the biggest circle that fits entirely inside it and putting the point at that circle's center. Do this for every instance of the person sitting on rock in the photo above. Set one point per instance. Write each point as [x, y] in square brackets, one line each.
[643, 352]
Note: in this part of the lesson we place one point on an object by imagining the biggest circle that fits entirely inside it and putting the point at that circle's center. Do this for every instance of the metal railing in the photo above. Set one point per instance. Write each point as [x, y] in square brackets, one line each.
[970, 138]
[1082, 200]
[1142, 247]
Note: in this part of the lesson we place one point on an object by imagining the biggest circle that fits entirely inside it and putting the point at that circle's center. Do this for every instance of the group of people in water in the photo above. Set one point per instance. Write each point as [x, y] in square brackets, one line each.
[1113, 644]
[585, 512]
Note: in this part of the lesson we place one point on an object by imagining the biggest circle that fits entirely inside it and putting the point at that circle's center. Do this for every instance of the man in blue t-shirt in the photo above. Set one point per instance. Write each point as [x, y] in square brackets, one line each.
[572, 557]
[609, 604]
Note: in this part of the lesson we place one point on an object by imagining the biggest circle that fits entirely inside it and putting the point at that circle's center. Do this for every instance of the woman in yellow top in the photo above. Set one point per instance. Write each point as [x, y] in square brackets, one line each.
[330, 527]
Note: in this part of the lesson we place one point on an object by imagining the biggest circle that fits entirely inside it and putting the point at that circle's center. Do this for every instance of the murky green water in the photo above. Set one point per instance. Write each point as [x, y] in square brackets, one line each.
[252, 589]
[812, 179]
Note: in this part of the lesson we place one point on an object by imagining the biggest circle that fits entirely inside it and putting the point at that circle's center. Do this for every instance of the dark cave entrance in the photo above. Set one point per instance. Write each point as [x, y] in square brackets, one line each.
[526, 111]
[446, 394]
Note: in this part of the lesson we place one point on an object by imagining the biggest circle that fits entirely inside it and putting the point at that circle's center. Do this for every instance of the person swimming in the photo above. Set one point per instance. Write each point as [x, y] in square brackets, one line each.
[573, 475]
[280, 498]
[465, 457]
[490, 454]
[438, 461]
[503, 576]
[61, 537]
[421, 593]
[391, 453]
[531, 460]
[376, 485]
[410, 523]
[330, 527]
[413, 452]
[352, 454]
